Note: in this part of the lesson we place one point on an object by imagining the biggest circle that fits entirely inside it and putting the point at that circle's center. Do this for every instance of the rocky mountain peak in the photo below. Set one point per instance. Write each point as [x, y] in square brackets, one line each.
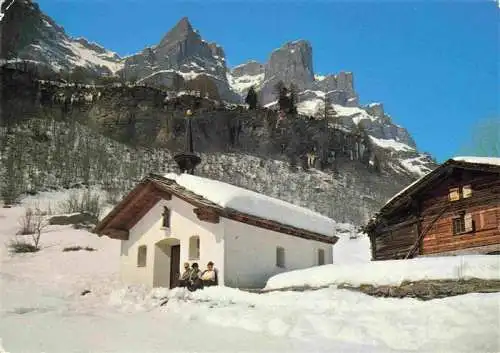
[179, 32]
[250, 68]
[291, 63]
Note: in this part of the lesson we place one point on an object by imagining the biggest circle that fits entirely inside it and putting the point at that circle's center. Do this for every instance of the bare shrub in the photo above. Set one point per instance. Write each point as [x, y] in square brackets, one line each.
[27, 222]
[88, 202]
[39, 224]
[21, 246]
[78, 248]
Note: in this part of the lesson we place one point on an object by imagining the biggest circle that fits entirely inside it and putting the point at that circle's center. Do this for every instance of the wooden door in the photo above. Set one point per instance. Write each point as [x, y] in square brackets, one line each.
[175, 258]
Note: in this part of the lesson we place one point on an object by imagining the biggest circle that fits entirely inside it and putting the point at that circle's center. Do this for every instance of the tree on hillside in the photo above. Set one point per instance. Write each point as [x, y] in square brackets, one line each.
[326, 110]
[251, 99]
[484, 139]
[293, 99]
[79, 75]
[282, 96]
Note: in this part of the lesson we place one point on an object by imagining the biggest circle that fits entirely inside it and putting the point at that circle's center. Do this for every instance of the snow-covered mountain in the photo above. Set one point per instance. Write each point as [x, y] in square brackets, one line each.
[183, 60]
[244, 76]
[29, 34]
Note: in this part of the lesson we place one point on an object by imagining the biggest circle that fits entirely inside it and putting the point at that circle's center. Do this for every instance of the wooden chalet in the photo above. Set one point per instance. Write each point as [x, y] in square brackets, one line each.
[455, 209]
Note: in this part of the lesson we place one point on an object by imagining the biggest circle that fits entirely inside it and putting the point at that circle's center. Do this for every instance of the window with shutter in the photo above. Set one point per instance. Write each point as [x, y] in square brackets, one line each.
[466, 191]
[463, 223]
[468, 223]
[454, 194]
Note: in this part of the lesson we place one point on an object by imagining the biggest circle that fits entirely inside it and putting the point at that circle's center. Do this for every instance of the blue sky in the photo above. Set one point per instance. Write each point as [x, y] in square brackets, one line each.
[434, 65]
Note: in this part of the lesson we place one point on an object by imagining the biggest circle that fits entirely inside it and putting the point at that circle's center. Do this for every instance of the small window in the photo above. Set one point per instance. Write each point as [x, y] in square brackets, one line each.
[321, 257]
[166, 217]
[466, 191]
[454, 194]
[194, 248]
[280, 257]
[463, 223]
[141, 256]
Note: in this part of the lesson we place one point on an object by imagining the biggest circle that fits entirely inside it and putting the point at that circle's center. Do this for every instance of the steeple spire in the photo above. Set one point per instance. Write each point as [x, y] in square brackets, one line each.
[188, 160]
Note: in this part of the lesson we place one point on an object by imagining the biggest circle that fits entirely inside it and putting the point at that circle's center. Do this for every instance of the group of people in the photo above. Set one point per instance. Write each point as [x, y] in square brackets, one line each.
[193, 278]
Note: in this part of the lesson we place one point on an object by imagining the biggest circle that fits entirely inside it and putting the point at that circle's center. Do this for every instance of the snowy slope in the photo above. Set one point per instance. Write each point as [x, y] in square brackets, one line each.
[241, 84]
[42, 291]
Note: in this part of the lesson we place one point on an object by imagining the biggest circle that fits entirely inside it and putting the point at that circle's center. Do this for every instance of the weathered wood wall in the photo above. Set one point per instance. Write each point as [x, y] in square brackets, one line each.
[425, 222]
[483, 206]
[395, 243]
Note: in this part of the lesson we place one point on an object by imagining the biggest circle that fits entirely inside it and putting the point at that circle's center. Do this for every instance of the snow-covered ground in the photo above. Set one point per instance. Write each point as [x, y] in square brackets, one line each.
[391, 272]
[42, 310]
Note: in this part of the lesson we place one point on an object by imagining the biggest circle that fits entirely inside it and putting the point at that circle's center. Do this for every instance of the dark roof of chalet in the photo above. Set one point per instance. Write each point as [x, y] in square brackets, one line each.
[169, 186]
[412, 189]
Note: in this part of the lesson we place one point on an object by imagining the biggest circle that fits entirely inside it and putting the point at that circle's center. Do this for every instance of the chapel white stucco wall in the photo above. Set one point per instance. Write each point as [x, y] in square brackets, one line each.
[183, 224]
[251, 254]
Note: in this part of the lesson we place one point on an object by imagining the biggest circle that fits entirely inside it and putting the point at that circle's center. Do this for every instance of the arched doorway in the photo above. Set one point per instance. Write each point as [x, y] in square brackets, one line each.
[166, 267]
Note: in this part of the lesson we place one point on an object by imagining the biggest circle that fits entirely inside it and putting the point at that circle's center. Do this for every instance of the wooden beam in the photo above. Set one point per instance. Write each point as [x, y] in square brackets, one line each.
[207, 215]
[140, 210]
[114, 233]
[280, 228]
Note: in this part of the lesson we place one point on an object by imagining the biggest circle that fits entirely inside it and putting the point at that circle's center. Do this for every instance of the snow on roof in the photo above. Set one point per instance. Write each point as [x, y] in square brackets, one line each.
[255, 204]
[479, 160]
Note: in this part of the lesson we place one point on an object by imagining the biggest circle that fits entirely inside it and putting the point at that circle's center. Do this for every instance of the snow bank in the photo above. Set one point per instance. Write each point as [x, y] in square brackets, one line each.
[42, 291]
[479, 160]
[351, 248]
[392, 272]
[253, 203]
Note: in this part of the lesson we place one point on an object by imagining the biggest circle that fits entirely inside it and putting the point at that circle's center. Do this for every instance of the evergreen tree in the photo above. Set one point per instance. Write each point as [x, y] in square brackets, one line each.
[251, 98]
[282, 96]
[293, 99]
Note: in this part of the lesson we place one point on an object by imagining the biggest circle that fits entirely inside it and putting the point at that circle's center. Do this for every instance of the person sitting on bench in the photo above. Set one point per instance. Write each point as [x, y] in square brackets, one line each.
[209, 276]
[184, 278]
[195, 281]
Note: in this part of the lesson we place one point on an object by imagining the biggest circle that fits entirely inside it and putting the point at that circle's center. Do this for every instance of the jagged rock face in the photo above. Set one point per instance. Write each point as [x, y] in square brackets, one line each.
[142, 116]
[182, 49]
[292, 63]
[28, 34]
[375, 109]
[250, 68]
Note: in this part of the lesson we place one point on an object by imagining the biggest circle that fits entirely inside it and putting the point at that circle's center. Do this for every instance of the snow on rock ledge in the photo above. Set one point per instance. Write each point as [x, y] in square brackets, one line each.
[391, 272]
[253, 203]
